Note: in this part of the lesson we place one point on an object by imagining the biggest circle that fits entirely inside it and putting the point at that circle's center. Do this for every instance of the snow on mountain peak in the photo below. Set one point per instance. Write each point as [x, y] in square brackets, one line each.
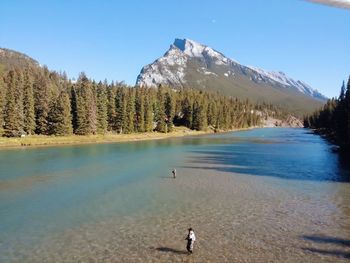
[189, 47]
[283, 79]
[172, 69]
[197, 50]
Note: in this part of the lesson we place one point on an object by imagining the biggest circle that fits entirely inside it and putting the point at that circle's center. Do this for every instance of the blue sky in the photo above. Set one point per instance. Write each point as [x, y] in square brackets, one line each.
[114, 39]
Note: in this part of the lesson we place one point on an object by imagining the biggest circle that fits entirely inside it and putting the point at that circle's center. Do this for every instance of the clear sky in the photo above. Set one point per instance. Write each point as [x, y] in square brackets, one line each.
[115, 39]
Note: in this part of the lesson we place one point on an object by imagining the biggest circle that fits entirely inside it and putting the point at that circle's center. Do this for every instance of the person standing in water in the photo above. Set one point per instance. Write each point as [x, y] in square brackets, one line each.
[174, 173]
[191, 238]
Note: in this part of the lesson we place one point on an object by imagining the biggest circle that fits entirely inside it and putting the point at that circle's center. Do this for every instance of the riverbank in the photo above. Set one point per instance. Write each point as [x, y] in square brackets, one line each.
[42, 140]
[331, 138]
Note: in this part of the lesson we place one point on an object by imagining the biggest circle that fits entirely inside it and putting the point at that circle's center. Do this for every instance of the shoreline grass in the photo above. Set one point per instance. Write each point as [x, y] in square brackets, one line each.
[44, 140]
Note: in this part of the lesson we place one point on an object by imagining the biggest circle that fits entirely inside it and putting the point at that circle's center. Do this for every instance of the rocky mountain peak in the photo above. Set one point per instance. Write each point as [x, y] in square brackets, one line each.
[188, 63]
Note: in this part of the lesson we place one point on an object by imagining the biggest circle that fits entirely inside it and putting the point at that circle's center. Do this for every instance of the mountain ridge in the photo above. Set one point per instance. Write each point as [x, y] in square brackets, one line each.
[190, 64]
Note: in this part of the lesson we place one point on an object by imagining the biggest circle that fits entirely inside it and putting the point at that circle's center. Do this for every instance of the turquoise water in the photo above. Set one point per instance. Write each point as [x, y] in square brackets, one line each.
[46, 191]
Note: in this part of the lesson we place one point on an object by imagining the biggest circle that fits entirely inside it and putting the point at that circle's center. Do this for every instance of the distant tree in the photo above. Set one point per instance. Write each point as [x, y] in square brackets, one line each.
[169, 110]
[60, 115]
[73, 106]
[199, 121]
[28, 104]
[160, 111]
[120, 102]
[347, 110]
[140, 110]
[212, 113]
[148, 112]
[102, 102]
[111, 108]
[13, 115]
[187, 112]
[130, 112]
[2, 104]
[41, 103]
[86, 107]
[334, 118]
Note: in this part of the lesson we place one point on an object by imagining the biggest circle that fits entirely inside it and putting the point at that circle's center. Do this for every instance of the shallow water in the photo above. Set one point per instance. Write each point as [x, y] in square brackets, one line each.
[264, 195]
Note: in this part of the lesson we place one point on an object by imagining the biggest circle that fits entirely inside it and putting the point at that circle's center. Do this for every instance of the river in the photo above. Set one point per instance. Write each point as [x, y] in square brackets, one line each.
[262, 195]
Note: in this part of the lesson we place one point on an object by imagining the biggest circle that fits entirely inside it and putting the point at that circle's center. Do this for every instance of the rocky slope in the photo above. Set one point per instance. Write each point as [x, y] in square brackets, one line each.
[10, 59]
[191, 64]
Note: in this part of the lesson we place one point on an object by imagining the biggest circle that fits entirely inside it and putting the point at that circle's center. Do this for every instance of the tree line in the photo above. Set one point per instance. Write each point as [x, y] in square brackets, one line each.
[39, 101]
[333, 120]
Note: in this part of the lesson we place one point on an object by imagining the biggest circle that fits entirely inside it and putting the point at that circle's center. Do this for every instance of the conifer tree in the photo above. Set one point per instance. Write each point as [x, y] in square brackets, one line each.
[73, 105]
[212, 113]
[197, 116]
[60, 115]
[347, 110]
[112, 108]
[120, 102]
[169, 110]
[102, 103]
[148, 113]
[187, 112]
[41, 103]
[130, 112]
[13, 115]
[140, 110]
[28, 104]
[2, 105]
[160, 113]
[86, 107]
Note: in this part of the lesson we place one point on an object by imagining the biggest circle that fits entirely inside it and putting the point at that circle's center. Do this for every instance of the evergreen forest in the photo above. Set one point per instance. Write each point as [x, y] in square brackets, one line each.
[333, 120]
[40, 101]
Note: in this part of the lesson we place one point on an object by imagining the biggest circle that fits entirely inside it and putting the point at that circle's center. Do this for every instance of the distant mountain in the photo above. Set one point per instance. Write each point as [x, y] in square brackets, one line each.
[190, 64]
[10, 59]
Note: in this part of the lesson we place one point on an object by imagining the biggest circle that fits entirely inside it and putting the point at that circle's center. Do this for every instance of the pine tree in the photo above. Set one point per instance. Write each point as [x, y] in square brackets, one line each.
[169, 110]
[120, 102]
[60, 115]
[73, 105]
[197, 111]
[140, 110]
[347, 110]
[130, 112]
[148, 113]
[112, 108]
[187, 112]
[342, 92]
[86, 107]
[13, 115]
[2, 104]
[160, 112]
[41, 103]
[340, 117]
[28, 103]
[102, 102]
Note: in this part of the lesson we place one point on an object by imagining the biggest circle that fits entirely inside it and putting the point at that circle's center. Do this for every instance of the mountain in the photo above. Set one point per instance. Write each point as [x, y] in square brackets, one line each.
[191, 64]
[10, 59]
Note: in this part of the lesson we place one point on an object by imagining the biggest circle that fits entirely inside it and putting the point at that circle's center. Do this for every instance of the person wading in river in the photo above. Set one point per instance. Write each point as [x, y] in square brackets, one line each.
[174, 173]
[191, 238]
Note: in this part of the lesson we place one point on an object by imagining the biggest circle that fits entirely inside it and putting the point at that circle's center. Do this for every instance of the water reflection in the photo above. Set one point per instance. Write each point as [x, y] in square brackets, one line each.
[295, 158]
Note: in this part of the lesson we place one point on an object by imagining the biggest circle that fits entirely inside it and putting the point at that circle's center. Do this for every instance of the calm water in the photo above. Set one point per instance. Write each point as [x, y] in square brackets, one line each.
[278, 195]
